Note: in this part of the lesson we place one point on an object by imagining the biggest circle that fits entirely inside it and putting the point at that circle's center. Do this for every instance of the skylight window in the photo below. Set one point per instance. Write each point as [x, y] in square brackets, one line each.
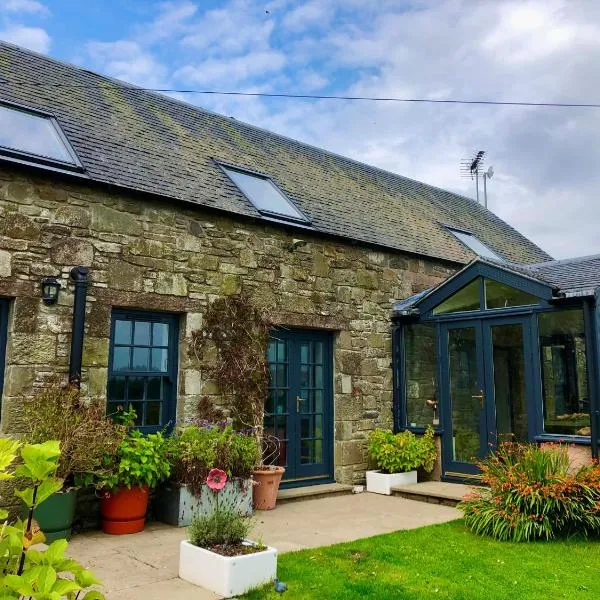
[266, 197]
[34, 137]
[475, 244]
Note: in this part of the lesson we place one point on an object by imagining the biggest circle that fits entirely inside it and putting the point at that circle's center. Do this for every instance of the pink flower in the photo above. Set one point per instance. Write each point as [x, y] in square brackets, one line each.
[216, 480]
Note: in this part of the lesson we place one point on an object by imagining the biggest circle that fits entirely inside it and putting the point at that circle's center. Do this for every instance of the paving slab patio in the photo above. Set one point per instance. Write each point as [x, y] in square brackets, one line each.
[144, 566]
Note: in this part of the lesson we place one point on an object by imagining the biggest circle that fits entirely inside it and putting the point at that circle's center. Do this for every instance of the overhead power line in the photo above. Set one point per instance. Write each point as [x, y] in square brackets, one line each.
[325, 97]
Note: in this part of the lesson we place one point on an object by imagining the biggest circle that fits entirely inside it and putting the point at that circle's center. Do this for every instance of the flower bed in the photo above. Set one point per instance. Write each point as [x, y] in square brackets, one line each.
[534, 495]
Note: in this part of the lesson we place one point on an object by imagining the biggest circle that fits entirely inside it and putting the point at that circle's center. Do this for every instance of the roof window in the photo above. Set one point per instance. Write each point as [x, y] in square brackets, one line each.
[474, 244]
[34, 137]
[266, 197]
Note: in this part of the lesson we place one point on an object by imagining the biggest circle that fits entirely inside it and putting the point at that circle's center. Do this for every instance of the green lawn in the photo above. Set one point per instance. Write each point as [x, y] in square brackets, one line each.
[441, 561]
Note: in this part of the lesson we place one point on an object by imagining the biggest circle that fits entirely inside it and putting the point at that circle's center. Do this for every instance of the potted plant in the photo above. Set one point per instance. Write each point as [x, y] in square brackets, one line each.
[217, 555]
[193, 451]
[239, 331]
[398, 456]
[140, 463]
[86, 436]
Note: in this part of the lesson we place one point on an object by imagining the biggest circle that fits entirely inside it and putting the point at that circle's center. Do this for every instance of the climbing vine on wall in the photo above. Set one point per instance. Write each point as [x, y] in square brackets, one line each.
[238, 330]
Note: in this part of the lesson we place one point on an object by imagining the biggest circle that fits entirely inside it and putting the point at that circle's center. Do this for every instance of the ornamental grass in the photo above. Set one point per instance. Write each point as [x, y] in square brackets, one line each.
[534, 495]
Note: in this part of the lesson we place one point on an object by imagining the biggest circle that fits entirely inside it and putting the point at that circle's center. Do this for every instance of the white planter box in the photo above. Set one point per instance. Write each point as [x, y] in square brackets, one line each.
[382, 483]
[227, 576]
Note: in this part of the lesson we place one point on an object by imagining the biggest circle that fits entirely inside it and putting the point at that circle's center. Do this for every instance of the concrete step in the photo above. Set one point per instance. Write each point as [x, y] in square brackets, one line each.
[311, 492]
[434, 492]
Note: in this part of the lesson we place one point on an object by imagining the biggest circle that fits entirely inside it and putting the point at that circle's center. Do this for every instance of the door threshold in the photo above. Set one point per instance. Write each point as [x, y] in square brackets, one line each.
[313, 492]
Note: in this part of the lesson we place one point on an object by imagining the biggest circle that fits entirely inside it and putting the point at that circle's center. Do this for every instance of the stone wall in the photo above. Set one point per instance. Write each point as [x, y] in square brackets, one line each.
[153, 255]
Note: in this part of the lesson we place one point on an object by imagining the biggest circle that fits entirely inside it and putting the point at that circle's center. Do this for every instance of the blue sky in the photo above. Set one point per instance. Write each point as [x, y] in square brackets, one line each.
[546, 161]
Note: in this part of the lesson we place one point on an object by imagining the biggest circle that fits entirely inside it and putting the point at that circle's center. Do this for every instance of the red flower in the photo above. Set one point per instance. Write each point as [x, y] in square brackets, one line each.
[216, 480]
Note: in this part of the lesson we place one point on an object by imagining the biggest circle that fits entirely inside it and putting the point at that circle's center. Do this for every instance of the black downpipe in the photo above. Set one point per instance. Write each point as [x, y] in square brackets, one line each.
[80, 276]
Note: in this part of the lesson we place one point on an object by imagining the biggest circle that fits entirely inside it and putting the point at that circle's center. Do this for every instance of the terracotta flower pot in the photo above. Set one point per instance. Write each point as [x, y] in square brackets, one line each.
[264, 491]
[124, 510]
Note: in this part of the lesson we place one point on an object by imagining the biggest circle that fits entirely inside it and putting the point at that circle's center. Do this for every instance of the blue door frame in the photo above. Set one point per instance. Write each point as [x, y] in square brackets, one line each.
[299, 409]
[484, 388]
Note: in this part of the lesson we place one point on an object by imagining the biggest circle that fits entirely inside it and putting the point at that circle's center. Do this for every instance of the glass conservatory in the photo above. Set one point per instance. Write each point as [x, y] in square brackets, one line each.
[500, 352]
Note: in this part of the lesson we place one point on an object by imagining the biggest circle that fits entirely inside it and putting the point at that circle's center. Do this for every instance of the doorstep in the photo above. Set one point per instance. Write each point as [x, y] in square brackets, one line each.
[311, 492]
[434, 492]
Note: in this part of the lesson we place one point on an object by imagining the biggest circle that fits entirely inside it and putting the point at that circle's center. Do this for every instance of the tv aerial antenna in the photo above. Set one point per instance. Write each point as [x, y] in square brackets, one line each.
[472, 168]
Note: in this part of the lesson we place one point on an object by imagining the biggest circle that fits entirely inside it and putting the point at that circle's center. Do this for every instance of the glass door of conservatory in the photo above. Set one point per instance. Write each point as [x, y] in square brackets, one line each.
[463, 397]
[486, 381]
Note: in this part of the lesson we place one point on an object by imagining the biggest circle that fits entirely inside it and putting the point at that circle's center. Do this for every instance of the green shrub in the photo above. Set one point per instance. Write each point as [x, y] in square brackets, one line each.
[86, 434]
[198, 448]
[532, 495]
[34, 573]
[402, 452]
[222, 526]
[140, 460]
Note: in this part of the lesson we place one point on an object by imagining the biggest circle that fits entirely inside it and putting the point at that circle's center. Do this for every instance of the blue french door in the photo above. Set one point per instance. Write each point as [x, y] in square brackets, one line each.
[299, 406]
[3, 340]
[143, 368]
[486, 382]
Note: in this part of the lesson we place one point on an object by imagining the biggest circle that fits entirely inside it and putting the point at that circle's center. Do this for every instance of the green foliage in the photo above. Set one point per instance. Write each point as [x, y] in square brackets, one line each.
[402, 452]
[28, 572]
[222, 526]
[86, 434]
[198, 448]
[140, 460]
[532, 495]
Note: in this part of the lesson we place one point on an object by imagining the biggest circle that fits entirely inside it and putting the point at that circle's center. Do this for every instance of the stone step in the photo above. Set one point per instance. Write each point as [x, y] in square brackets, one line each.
[311, 492]
[434, 492]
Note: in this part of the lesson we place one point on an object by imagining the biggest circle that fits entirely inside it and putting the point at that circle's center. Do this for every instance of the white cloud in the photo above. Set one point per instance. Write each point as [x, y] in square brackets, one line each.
[24, 6]
[171, 20]
[231, 71]
[128, 61]
[308, 14]
[34, 38]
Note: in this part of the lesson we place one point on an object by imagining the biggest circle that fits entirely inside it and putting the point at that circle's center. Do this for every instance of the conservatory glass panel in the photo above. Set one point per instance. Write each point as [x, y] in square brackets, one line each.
[564, 373]
[466, 299]
[420, 352]
[500, 295]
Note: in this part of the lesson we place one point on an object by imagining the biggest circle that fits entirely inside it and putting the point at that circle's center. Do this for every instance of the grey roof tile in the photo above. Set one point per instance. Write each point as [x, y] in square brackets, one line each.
[152, 143]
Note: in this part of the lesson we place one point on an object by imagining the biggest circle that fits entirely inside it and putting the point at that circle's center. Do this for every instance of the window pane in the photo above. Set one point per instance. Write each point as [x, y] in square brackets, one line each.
[263, 194]
[465, 299]
[564, 373]
[160, 334]
[475, 244]
[116, 388]
[141, 333]
[135, 388]
[122, 332]
[159, 359]
[154, 385]
[121, 359]
[31, 133]
[499, 295]
[421, 375]
[152, 413]
[141, 359]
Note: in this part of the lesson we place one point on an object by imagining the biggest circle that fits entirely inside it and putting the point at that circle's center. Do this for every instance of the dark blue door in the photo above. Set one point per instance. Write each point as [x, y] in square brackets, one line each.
[143, 367]
[299, 407]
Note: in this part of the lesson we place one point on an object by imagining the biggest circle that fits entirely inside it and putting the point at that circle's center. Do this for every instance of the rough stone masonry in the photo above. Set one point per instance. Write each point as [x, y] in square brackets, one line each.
[154, 255]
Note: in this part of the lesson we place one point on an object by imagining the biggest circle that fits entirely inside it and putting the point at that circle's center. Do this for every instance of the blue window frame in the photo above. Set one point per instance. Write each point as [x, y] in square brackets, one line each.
[143, 367]
[3, 340]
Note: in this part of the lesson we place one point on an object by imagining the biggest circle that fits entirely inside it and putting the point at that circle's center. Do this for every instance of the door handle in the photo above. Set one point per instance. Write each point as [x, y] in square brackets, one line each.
[480, 397]
[298, 400]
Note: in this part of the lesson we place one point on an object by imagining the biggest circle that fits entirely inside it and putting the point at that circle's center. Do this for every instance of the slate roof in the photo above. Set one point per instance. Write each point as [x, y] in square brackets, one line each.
[569, 277]
[152, 143]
